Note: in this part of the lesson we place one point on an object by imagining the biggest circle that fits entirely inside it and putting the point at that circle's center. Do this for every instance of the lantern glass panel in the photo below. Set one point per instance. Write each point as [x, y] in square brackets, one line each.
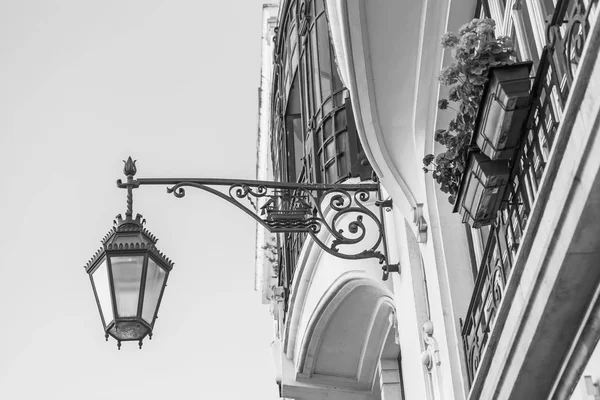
[127, 276]
[100, 278]
[155, 277]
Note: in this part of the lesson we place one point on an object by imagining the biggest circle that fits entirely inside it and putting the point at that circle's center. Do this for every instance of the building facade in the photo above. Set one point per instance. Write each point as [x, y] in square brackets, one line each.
[499, 300]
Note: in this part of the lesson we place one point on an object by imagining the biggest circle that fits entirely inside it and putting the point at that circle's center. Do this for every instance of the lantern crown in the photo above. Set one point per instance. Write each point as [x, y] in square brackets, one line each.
[129, 234]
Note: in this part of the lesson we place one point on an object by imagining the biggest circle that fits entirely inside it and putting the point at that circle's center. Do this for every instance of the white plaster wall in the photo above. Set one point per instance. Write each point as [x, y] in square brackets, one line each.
[263, 272]
[374, 45]
[328, 270]
[389, 57]
[448, 248]
[411, 307]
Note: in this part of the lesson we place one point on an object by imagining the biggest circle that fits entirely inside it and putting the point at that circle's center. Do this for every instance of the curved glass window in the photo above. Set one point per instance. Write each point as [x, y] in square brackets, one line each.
[314, 133]
[313, 136]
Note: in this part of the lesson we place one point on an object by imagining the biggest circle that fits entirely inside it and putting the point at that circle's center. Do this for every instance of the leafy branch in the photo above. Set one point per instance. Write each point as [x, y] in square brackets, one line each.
[475, 50]
[271, 253]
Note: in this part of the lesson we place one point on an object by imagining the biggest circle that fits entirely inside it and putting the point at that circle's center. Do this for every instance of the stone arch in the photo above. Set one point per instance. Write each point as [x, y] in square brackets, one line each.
[346, 335]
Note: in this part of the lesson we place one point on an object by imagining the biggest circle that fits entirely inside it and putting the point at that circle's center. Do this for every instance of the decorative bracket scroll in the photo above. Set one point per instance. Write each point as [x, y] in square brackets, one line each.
[344, 211]
[430, 357]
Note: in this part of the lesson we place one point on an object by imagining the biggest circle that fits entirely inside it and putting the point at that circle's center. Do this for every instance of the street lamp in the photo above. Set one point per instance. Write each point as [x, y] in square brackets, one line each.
[129, 274]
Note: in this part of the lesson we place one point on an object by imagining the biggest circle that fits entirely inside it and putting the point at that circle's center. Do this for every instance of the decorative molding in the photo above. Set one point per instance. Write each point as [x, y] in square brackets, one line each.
[420, 222]
[394, 324]
[431, 355]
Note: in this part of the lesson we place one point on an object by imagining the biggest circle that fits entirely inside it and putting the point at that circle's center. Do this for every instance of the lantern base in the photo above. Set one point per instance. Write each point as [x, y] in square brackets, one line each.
[128, 330]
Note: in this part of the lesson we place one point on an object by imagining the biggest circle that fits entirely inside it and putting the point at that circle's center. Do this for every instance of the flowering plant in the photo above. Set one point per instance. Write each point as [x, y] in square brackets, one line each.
[475, 49]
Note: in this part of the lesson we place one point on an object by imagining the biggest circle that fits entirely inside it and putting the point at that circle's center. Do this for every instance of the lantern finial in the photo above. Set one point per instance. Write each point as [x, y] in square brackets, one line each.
[129, 169]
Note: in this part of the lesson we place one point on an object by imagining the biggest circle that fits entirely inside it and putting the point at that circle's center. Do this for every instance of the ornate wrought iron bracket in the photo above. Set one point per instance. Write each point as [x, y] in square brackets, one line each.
[345, 220]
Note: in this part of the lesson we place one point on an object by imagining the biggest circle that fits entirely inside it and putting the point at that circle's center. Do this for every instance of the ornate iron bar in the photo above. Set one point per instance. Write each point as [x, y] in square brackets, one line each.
[343, 210]
[567, 32]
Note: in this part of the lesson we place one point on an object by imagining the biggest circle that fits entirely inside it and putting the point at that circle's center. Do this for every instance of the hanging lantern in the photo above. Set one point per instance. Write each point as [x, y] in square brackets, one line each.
[128, 276]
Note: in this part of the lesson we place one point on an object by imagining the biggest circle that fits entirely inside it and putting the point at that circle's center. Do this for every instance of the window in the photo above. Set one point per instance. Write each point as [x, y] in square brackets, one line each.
[315, 135]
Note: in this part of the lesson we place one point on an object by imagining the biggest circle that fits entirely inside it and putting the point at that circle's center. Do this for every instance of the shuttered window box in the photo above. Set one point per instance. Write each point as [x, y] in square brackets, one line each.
[503, 110]
[482, 189]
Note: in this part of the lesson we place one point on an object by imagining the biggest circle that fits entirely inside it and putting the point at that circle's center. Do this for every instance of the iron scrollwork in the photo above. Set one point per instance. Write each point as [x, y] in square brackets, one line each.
[567, 33]
[345, 220]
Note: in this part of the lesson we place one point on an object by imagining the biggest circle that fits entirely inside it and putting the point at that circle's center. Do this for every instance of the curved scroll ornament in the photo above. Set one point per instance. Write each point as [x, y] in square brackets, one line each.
[304, 18]
[430, 357]
[576, 35]
[354, 230]
[352, 208]
[575, 41]
[567, 33]
[474, 362]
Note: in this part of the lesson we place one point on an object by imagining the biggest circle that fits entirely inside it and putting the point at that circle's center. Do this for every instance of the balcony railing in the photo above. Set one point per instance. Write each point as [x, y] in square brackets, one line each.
[567, 32]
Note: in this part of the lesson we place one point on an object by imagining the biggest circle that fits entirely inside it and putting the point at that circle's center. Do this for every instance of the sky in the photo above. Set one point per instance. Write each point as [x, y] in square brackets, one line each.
[83, 85]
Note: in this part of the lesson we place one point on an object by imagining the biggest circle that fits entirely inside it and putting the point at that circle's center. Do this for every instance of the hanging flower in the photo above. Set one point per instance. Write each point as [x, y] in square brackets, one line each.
[441, 136]
[428, 159]
[449, 75]
[468, 40]
[475, 49]
[449, 39]
[485, 27]
[453, 94]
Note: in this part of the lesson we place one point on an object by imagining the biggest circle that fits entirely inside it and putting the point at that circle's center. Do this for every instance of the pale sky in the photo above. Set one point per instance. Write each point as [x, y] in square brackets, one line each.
[84, 84]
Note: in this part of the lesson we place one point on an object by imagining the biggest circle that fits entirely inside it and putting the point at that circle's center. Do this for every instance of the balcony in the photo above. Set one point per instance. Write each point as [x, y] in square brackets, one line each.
[567, 31]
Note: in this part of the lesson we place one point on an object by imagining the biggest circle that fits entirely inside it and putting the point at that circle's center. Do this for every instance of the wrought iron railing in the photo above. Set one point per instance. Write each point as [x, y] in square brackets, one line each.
[567, 31]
